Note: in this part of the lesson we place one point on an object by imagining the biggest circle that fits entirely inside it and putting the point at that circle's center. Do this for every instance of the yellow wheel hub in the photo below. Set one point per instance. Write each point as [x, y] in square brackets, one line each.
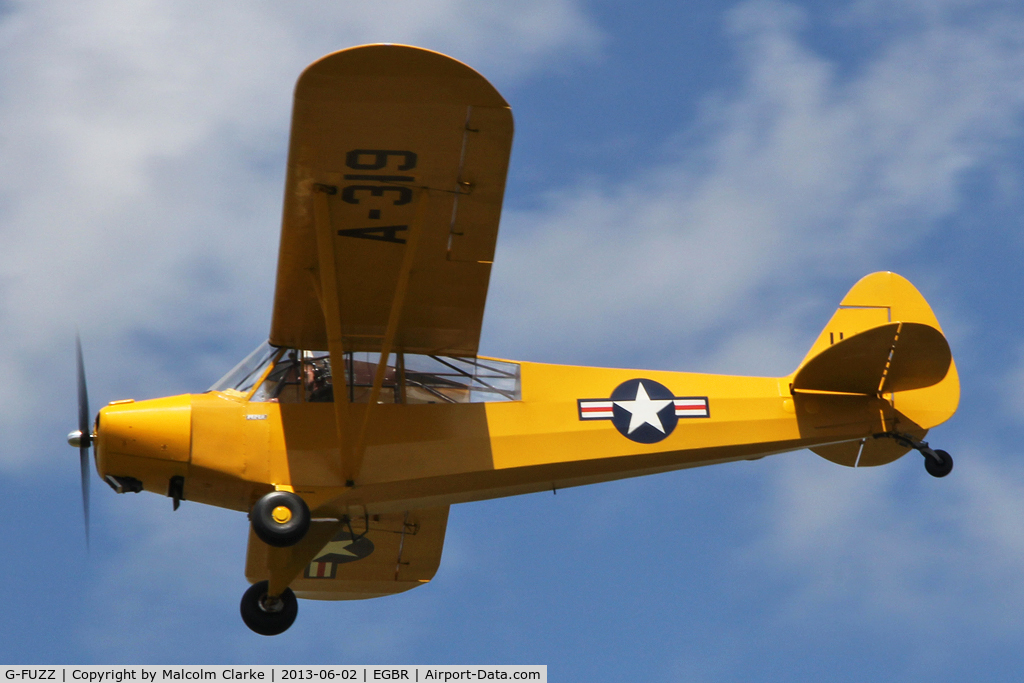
[281, 514]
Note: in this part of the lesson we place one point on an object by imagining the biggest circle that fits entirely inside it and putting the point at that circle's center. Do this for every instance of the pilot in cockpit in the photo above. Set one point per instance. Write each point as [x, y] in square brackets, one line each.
[319, 388]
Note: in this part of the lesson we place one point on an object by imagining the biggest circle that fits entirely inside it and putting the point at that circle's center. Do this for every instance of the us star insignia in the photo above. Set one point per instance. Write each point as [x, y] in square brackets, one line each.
[643, 410]
[339, 550]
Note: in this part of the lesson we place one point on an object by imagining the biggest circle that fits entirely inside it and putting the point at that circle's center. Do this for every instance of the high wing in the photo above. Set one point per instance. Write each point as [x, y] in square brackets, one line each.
[398, 551]
[396, 172]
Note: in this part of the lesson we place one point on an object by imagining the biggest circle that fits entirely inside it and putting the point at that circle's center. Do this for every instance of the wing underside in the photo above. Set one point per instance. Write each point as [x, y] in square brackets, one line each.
[396, 173]
[370, 557]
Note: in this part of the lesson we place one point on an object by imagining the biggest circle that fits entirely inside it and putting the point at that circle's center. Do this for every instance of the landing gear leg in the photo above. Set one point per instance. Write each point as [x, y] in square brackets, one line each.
[937, 463]
[268, 615]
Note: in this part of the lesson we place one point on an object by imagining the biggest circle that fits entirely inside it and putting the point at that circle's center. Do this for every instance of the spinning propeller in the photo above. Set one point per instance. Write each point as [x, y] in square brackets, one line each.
[82, 438]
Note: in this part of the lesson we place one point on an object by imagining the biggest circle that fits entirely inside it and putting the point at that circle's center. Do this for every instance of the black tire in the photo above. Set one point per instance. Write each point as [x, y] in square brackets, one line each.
[273, 532]
[939, 469]
[264, 621]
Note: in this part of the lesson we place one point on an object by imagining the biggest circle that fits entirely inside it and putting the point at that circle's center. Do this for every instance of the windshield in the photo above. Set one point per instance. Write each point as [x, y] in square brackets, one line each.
[243, 376]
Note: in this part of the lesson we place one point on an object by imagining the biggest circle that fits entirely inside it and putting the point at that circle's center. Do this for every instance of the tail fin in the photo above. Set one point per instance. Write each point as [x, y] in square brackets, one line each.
[883, 341]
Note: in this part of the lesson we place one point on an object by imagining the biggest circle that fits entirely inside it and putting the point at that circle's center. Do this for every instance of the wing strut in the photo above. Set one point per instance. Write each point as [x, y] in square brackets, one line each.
[332, 319]
[394, 318]
[352, 458]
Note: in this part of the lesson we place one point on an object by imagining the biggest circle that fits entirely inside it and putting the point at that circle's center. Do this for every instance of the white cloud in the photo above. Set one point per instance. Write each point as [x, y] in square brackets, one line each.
[142, 164]
[136, 201]
[891, 545]
[140, 554]
[1012, 388]
[802, 177]
[143, 554]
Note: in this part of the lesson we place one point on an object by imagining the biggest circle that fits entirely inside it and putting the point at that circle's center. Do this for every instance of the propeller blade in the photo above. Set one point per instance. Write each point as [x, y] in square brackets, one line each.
[85, 429]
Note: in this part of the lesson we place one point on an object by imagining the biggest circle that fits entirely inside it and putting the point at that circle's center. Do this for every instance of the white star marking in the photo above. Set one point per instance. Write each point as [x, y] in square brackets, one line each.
[643, 410]
[335, 548]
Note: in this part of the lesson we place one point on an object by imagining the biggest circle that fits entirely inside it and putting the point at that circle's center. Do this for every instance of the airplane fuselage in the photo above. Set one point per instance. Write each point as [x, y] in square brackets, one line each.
[566, 430]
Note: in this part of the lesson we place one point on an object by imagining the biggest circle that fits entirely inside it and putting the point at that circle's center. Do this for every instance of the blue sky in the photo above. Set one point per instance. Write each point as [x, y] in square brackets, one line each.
[693, 186]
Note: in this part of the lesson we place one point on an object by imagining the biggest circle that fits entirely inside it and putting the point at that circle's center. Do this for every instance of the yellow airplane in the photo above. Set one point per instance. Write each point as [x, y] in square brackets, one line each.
[347, 436]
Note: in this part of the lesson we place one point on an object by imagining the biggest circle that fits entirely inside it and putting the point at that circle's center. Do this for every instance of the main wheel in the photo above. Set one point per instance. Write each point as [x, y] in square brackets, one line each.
[937, 468]
[268, 617]
[280, 518]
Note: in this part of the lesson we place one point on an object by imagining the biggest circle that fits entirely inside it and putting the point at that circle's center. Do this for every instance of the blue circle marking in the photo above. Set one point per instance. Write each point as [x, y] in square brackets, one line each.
[644, 410]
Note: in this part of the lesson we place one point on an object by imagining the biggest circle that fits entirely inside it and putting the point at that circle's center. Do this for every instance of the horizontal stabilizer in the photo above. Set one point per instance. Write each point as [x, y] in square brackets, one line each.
[897, 356]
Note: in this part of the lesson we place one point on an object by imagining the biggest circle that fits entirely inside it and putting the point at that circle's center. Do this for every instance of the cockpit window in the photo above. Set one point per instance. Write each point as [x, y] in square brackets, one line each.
[243, 376]
[306, 376]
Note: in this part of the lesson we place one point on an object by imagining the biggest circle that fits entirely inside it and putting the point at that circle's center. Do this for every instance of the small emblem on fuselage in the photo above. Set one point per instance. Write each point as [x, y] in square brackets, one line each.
[643, 410]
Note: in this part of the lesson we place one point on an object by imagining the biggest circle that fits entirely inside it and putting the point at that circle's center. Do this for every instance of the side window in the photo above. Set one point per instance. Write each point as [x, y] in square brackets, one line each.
[305, 376]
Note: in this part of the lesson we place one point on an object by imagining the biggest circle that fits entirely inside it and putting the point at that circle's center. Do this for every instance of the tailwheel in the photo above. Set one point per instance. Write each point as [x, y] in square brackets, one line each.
[937, 463]
[280, 519]
[266, 615]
